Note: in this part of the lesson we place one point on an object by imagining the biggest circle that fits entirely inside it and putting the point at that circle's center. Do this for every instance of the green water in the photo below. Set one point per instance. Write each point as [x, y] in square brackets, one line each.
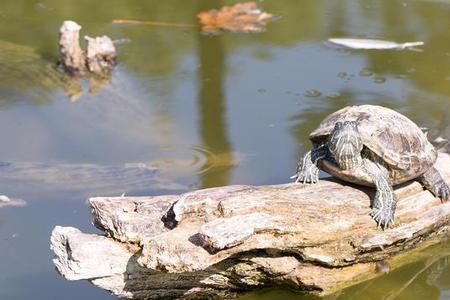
[204, 110]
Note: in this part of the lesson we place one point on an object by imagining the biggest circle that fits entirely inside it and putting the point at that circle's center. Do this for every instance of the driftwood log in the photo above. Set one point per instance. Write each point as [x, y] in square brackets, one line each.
[221, 241]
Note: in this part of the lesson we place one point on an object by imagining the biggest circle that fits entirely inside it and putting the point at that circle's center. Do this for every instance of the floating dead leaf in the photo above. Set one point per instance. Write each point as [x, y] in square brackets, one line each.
[356, 43]
[241, 17]
[6, 201]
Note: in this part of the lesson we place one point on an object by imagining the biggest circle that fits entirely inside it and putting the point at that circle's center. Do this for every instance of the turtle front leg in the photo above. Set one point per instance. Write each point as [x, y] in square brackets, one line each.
[384, 203]
[433, 182]
[307, 170]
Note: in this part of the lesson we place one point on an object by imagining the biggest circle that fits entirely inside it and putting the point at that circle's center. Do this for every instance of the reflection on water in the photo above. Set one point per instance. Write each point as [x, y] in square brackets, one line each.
[204, 110]
[24, 72]
[211, 105]
[426, 279]
[97, 179]
[419, 280]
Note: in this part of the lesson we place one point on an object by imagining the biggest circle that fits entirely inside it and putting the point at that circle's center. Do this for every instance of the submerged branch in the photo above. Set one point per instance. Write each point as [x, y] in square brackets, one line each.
[152, 23]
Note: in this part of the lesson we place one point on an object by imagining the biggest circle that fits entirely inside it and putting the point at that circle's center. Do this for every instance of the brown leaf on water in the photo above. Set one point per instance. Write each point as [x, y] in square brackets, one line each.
[241, 17]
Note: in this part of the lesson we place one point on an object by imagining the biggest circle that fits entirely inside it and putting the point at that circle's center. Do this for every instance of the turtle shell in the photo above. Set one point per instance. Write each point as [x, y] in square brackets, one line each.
[394, 138]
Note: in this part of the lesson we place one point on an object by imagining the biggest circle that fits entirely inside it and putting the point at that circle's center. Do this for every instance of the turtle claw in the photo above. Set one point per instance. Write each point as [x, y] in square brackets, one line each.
[443, 191]
[434, 182]
[307, 170]
[308, 175]
[384, 218]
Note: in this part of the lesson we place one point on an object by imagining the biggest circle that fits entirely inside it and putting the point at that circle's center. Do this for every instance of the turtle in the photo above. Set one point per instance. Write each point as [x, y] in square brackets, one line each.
[373, 146]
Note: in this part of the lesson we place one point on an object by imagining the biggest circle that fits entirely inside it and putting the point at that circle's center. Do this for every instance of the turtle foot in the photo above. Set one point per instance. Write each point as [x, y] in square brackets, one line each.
[383, 217]
[433, 181]
[307, 175]
[443, 191]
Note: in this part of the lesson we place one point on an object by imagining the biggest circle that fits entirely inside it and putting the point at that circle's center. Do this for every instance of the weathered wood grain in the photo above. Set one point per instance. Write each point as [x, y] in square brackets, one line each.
[222, 241]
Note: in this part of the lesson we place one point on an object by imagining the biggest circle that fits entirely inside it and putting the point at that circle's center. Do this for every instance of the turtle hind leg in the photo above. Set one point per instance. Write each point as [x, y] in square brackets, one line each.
[433, 182]
[384, 202]
[307, 170]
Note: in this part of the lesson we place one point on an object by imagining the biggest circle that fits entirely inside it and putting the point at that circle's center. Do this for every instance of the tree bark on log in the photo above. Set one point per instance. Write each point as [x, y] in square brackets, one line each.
[219, 242]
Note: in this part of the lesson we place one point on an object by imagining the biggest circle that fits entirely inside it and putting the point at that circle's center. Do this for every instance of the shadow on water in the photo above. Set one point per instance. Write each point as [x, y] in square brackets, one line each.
[25, 76]
[428, 278]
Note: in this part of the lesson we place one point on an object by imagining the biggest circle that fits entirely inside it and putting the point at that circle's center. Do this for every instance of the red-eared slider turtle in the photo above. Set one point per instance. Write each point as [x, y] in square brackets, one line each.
[373, 146]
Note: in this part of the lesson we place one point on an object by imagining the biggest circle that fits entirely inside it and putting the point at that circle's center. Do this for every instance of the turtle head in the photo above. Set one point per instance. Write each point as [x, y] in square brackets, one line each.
[345, 144]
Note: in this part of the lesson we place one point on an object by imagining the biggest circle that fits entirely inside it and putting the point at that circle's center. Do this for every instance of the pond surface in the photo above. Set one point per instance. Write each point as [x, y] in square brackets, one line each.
[184, 110]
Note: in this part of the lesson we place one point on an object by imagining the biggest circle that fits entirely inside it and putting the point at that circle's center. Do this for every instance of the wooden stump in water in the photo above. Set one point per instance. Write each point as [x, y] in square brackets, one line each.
[222, 241]
[101, 54]
[73, 58]
[99, 59]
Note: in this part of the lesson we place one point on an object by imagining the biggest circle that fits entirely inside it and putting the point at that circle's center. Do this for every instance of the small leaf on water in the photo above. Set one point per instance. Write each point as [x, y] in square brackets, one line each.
[312, 93]
[379, 79]
[365, 72]
[356, 43]
[241, 17]
[4, 198]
